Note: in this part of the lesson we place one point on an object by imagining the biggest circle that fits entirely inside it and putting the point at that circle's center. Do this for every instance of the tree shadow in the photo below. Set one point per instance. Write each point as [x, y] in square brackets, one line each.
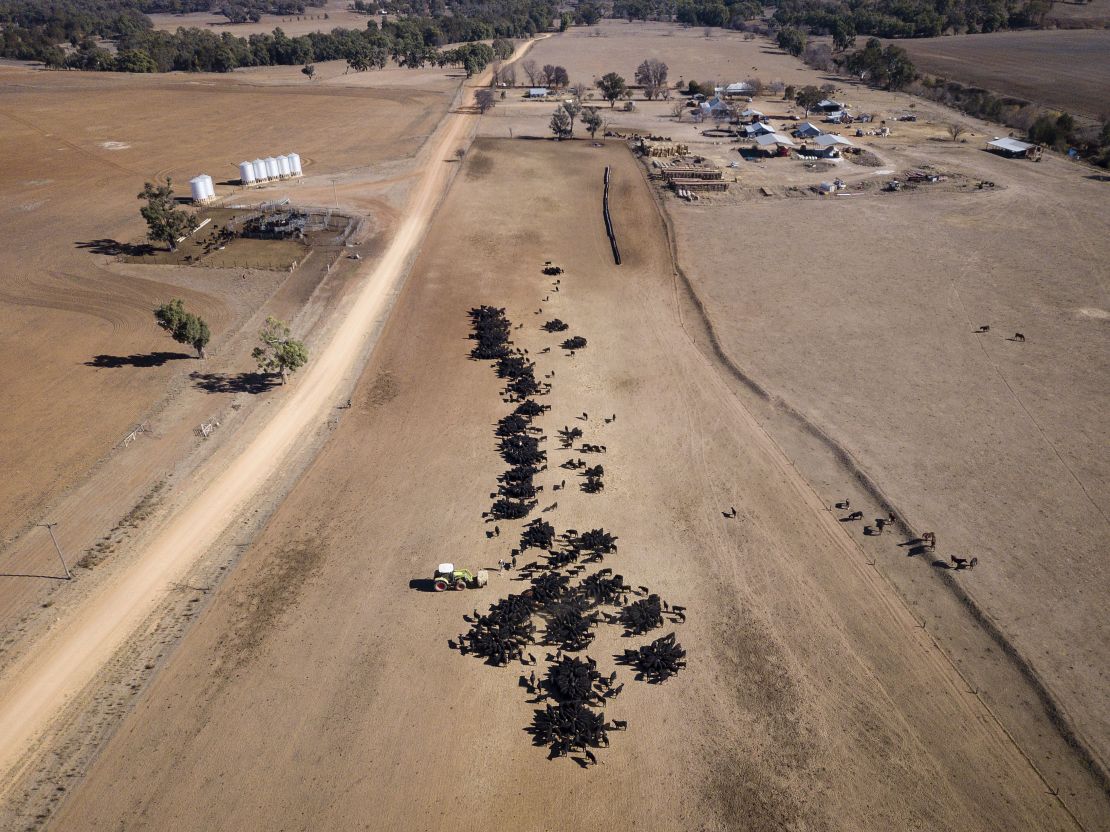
[235, 383]
[152, 359]
[115, 248]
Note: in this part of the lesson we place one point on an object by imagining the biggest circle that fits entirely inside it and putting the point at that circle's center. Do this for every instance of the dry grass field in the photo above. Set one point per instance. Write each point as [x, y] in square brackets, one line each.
[1066, 70]
[78, 151]
[765, 350]
[318, 690]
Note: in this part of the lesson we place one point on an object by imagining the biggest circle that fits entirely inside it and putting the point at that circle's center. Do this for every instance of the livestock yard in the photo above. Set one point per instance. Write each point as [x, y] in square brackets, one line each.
[781, 474]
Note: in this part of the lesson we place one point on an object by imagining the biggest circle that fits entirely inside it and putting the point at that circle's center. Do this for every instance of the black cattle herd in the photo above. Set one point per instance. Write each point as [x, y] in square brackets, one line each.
[560, 608]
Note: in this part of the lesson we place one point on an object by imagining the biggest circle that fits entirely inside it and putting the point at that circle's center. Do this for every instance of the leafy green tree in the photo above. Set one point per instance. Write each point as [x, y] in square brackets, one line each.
[184, 327]
[808, 97]
[844, 34]
[134, 60]
[792, 41]
[279, 353]
[309, 70]
[165, 221]
[591, 118]
[612, 87]
[562, 125]
[589, 13]
[502, 49]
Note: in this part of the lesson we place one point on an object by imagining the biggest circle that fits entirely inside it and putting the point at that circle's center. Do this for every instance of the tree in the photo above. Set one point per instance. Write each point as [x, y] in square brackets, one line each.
[309, 70]
[279, 353]
[791, 41]
[677, 109]
[612, 87]
[532, 71]
[589, 13]
[652, 76]
[808, 97]
[165, 221]
[561, 78]
[955, 130]
[485, 100]
[562, 125]
[844, 34]
[184, 327]
[502, 49]
[591, 118]
[789, 93]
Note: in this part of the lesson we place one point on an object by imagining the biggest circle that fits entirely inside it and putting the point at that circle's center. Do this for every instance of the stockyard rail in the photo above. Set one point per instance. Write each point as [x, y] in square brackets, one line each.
[609, 219]
[687, 173]
[699, 184]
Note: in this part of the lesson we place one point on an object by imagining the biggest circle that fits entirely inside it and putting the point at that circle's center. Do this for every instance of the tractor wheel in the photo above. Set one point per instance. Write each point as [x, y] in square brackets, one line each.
[440, 585]
[460, 584]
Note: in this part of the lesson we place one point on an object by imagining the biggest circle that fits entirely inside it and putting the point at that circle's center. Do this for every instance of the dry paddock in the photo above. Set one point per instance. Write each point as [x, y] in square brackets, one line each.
[318, 691]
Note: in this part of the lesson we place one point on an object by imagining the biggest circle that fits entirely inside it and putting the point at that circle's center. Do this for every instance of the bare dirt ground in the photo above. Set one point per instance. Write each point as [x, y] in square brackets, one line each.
[313, 20]
[318, 691]
[872, 299]
[78, 153]
[1064, 70]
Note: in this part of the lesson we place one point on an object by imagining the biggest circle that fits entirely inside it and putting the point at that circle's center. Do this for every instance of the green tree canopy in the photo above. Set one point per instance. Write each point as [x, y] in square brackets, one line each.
[591, 118]
[165, 221]
[562, 125]
[184, 327]
[279, 352]
[612, 87]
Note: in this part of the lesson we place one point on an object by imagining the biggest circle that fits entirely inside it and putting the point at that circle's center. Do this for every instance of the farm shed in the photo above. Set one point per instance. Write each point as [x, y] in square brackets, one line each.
[757, 129]
[537, 92]
[771, 142]
[807, 130]
[1014, 149]
[827, 105]
[829, 145]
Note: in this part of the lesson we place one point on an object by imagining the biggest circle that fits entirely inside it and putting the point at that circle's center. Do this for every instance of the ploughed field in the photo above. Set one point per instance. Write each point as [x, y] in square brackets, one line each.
[84, 360]
[1067, 70]
[810, 697]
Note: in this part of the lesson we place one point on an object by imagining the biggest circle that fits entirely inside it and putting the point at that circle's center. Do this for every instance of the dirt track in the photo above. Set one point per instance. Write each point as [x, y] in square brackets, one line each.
[39, 684]
[318, 691]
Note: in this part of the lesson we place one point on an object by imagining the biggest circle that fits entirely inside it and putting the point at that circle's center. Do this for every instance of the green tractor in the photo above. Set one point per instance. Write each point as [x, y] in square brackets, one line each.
[448, 577]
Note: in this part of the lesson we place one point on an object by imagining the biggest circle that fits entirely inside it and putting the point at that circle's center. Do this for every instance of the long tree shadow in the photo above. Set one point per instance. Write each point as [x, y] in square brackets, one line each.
[115, 248]
[150, 359]
[235, 382]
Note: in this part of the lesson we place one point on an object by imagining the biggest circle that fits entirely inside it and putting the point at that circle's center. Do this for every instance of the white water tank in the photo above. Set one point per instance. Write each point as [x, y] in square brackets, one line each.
[209, 186]
[284, 168]
[260, 173]
[197, 189]
[246, 173]
[294, 164]
[272, 170]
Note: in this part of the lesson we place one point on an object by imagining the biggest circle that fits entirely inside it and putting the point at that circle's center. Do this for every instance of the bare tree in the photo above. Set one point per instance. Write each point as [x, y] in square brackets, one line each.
[485, 100]
[532, 70]
[677, 109]
[955, 130]
[508, 75]
[652, 76]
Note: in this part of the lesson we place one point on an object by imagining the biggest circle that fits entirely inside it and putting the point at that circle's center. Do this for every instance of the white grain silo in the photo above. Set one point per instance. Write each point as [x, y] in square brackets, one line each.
[209, 186]
[197, 189]
[260, 173]
[294, 164]
[284, 168]
[272, 167]
[246, 173]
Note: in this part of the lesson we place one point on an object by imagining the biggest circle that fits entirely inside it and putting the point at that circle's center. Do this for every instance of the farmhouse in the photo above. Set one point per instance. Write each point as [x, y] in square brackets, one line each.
[1013, 149]
[537, 92]
[757, 128]
[740, 89]
[715, 107]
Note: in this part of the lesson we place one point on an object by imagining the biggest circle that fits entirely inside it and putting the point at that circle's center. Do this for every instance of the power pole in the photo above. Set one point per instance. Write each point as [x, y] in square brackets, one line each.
[50, 528]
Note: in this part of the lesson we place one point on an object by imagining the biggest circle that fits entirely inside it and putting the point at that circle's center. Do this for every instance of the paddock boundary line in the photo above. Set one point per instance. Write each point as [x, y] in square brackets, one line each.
[1053, 710]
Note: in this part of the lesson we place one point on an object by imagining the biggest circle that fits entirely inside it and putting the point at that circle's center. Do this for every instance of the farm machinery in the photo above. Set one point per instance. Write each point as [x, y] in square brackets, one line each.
[448, 577]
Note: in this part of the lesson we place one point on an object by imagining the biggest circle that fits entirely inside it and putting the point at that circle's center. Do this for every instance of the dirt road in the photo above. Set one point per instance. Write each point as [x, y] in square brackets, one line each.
[38, 686]
[318, 692]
